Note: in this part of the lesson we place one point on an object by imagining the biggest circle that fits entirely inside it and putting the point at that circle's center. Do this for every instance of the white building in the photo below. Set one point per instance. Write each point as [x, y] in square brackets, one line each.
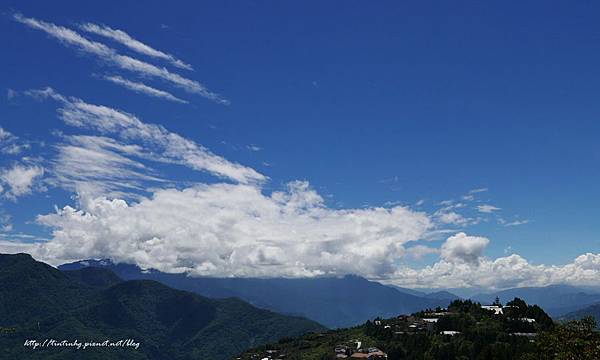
[449, 332]
[495, 308]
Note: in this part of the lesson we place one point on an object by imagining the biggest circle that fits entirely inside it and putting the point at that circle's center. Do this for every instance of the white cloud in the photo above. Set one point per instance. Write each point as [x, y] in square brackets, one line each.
[109, 55]
[253, 148]
[236, 230]
[501, 273]
[135, 45]
[232, 229]
[158, 143]
[14, 247]
[5, 135]
[418, 252]
[479, 190]
[448, 216]
[11, 144]
[143, 89]
[20, 179]
[487, 209]
[99, 165]
[462, 248]
[391, 180]
[11, 94]
[451, 217]
[515, 223]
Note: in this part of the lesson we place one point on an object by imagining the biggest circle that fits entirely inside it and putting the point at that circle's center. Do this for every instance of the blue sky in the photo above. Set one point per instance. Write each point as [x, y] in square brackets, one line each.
[374, 105]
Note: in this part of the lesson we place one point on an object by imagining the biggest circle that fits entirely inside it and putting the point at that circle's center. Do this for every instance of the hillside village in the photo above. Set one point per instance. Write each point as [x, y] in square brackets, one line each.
[462, 322]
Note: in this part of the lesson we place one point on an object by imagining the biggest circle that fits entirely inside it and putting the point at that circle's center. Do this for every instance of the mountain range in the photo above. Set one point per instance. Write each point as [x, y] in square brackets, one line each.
[557, 300]
[176, 316]
[590, 310]
[349, 300]
[39, 302]
[334, 302]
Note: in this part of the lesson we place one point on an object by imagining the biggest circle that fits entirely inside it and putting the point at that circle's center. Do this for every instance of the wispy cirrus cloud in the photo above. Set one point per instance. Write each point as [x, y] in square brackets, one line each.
[99, 165]
[487, 209]
[133, 44]
[10, 94]
[158, 143]
[517, 222]
[478, 190]
[448, 214]
[452, 218]
[253, 147]
[111, 56]
[10, 144]
[143, 88]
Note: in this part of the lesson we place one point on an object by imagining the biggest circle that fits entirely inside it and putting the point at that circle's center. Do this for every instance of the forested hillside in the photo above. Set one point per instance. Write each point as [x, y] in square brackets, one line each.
[465, 330]
[39, 302]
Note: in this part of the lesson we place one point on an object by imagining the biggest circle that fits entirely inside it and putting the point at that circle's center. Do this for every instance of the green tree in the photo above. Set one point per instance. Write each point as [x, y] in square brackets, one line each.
[574, 340]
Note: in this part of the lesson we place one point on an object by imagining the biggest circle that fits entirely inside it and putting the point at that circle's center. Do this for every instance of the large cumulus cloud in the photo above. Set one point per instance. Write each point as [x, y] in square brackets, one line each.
[464, 248]
[236, 230]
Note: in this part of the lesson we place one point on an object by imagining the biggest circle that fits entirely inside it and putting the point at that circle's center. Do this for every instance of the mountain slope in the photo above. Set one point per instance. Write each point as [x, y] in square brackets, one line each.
[40, 302]
[442, 295]
[409, 291]
[555, 299]
[333, 302]
[591, 310]
[30, 289]
[94, 277]
[476, 334]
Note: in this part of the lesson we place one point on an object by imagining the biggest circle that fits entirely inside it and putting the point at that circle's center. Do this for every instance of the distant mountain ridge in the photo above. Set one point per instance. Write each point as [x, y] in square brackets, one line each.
[333, 302]
[557, 300]
[591, 310]
[442, 295]
[280, 294]
[38, 301]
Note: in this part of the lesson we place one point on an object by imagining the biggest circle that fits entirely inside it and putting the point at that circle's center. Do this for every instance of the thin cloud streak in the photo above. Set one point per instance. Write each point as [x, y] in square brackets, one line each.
[516, 223]
[487, 209]
[159, 144]
[11, 144]
[99, 165]
[143, 89]
[133, 44]
[73, 38]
